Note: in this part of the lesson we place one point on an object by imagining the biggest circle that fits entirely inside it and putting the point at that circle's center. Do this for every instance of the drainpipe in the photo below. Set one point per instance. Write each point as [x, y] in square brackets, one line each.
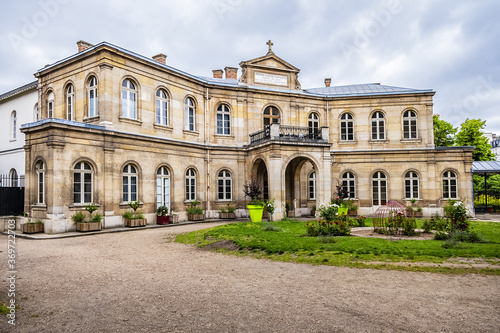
[207, 194]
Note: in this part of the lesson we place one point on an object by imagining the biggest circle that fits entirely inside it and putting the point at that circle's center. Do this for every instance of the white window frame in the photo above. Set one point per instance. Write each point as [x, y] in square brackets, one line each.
[450, 185]
[225, 181]
[129, 99]
[312, 185]
[313, 125]
[346, 127]
[349, 182]
[70, 102]
[80, 173]
[50, 105]
[410, 130]
[190, 184]
[162, 107]
[412, 185]
[13, 125]
[379, 188]
[162, 178]
[36, 113]
[92, 97]
[189, 115]
[129, 177]
[223, 120]
[40, 175]
[378, 126]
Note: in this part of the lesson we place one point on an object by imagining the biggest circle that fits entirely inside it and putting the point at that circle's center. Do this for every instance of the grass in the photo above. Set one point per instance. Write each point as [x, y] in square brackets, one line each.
[291, 245]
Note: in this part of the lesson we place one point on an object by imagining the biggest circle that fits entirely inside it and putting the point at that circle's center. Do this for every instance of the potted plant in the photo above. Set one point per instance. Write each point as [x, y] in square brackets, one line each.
[134, 218]
[289, 211]
[93, 223]
[313, 210]
[339, 199]
[174, 217]
[33, 227]
[419, 212]
[227, 212]
[269, 208]
[352, 210]
[162, 215]
[255, 206]
[195, 213]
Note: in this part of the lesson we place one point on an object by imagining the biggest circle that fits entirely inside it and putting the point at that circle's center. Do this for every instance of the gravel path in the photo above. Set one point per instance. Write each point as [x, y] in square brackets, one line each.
[141, 282]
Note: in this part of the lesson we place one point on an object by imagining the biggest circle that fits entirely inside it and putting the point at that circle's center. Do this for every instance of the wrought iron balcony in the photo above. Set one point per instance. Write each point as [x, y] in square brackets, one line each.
[290, 133]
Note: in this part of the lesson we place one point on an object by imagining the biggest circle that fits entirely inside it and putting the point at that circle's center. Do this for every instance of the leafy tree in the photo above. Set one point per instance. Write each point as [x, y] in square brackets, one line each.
[444, 132]
[492, 183]
[471, 134]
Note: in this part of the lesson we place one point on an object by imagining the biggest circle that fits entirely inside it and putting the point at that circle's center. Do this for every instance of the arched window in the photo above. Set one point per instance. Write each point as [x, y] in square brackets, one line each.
[313, 125]
[224, 185]
[36, 113]
[271, 116]
[346, 127]
[379, 187]
[410, 125]
[161, 107]
[190, 185]
[378, 126]
[82, 183]
[411, 185]
[189, 115]
[312, 186]
[349, 183]
[50, 105]
[13, 178]
[449, 185]
[40, 173]
[13, 125]
[92, 96]
[223, 120]
[129, 99]
[70, 102]
[129, 183]
[163, 188]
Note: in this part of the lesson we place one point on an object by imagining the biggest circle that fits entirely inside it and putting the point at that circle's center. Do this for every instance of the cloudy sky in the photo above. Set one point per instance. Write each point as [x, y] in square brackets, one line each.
[451, 46]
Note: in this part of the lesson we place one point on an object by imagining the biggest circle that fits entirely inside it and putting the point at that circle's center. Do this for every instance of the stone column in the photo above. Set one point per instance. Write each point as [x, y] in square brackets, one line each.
[275, 183]
[324, 181]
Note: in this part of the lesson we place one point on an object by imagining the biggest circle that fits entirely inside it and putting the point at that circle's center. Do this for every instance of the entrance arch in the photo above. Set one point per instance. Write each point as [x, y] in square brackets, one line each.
[302, 182]
[259, 172]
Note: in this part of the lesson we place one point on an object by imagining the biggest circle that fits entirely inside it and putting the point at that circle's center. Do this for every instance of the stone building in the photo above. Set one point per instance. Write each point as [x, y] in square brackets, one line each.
[117, 127]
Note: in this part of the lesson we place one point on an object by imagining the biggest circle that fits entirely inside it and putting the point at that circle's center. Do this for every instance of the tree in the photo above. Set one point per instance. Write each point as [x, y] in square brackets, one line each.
[444, 132]
[471, 134]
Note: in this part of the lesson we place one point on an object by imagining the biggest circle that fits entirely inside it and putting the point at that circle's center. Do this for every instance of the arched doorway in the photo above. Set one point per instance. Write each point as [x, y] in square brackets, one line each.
[259, 172]
[301, 182]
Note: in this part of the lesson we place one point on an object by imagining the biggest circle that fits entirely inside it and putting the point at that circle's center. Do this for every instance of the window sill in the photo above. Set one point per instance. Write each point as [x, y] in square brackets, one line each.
[163, 127]
[130, 121]
[91, 119]
[411, 140]
[224, 201]
[74, 206]
[347, 142]
[39, 207]
[378, 141]
[224, 136]
[193, 133]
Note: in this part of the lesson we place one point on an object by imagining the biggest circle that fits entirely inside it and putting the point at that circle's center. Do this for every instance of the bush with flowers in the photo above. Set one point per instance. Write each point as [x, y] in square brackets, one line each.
[458, 215]
[337, 227]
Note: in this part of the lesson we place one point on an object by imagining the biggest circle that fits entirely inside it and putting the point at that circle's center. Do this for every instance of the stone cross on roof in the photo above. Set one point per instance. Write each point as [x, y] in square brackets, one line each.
[270, 44]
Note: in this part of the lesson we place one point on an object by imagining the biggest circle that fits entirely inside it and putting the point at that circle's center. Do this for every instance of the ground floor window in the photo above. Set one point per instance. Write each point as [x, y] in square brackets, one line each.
[312, 186]
[379, 188]
[190, 185]
[82, 183]
[163, 188]
[224, 185]
[411, 185]
[449, 185]
[129, 183]
[348, 182]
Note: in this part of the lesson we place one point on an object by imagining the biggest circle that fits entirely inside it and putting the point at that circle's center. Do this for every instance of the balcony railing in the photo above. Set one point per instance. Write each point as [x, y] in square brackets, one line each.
[290, 133]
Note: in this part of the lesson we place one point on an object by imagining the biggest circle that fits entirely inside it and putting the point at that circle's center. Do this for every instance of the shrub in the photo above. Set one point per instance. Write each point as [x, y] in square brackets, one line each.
[457, 213]
[134, 205]
[329, 212]
[428, 225]
[128, 215]
[339, 227]
[440, 235]
[360, 221]
[96, 218]
[78, 217]
[162, 211]
[193, 209]
[409, 225]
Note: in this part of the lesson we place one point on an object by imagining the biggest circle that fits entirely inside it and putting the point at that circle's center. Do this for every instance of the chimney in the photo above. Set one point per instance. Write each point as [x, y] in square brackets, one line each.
[161, 58]
[327, 82]
[231, 72]
[217, 73]
[82, 45]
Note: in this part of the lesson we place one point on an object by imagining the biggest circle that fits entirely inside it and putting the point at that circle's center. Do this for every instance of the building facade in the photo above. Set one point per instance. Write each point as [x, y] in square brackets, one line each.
[117, 127]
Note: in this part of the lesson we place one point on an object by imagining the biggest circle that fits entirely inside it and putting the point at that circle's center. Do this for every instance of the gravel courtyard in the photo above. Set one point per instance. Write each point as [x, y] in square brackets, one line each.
[141, 281]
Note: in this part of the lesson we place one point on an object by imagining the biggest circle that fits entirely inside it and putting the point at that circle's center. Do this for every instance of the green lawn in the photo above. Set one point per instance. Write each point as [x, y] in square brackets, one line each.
[291, 245]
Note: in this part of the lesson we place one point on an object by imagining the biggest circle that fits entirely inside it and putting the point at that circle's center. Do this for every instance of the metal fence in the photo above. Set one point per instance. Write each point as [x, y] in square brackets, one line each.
[487, 202]
[11, 195]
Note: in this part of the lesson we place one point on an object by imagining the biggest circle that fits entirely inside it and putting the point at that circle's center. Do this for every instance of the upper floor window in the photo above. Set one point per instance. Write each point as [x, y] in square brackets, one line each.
[92, 96]
[411, 185]
[312, 185]
[224, 185]
[82, 183]
[129, 99]
[161, 107]
[50, 104]
[449, 185]
[349, 183]
[190, 185]
[129, 183]
[189, 115]
[313, 125]
[378, 126]
[40, 173]
[36, 113]
[13, 125]
[223, 120]
[379, 188]
[346, 127]
[70, 102]
[410, 125]
[271, 115]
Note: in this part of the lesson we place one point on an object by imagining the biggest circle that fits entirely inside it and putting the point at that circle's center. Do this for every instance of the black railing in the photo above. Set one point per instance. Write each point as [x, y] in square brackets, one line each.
[9, 181]
[292, 133]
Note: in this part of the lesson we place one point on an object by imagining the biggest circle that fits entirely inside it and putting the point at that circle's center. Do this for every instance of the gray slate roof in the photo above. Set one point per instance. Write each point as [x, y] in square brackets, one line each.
[362, 90]
[26, 87]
